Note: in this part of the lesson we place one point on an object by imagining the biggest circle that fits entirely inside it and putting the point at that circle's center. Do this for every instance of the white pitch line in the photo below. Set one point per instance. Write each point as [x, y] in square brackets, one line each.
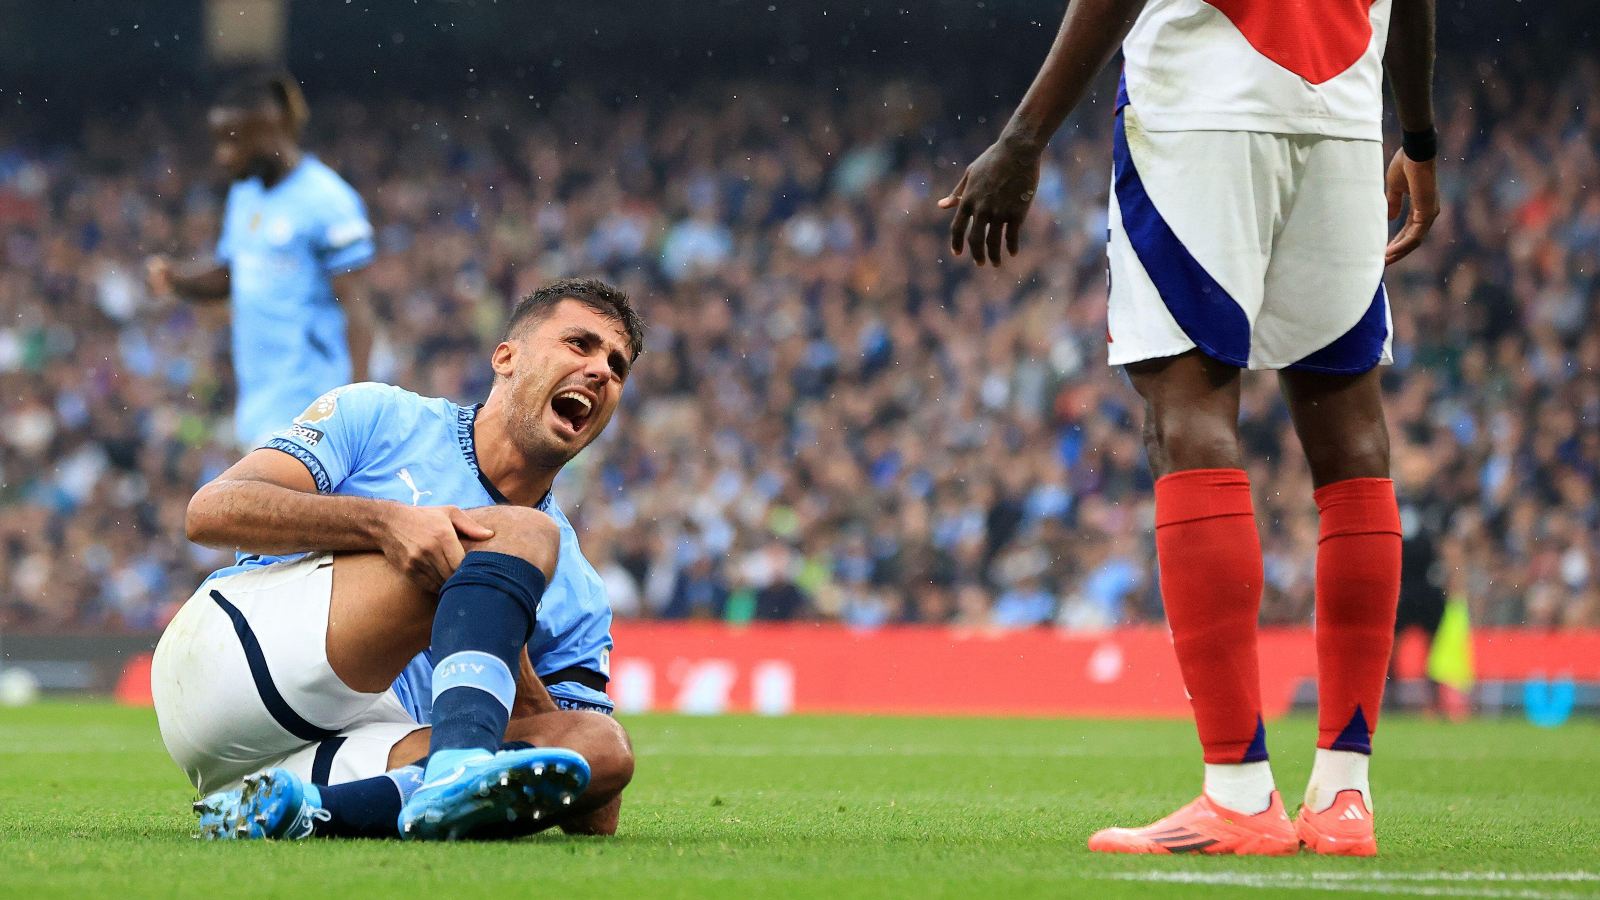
[801, 750]
[1458, 876]
[1405, 883]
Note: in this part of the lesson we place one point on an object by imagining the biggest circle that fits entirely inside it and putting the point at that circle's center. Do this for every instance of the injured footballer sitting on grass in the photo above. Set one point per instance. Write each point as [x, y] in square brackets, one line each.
[411, 643]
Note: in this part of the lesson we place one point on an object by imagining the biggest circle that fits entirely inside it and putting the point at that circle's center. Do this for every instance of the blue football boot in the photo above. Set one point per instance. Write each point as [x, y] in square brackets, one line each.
[479, 794]
[272, 804]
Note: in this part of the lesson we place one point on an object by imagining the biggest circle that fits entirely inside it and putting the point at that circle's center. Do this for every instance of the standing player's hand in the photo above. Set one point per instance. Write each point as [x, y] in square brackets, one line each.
[991, 200]
[424, 542]
[158, 275]
[1417, 180]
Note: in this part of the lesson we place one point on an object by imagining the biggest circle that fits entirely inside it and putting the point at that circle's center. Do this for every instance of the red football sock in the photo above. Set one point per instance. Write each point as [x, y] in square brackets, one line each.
[1210, 562]
[1358, 588]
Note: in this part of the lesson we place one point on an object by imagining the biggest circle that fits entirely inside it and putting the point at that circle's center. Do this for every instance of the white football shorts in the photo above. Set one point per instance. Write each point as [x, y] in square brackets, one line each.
[241, 682]
[1265, 251]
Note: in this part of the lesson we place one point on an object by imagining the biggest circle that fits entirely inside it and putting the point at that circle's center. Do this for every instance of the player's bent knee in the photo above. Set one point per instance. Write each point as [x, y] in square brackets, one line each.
[620, 750]
[521, 532]
[610, 754]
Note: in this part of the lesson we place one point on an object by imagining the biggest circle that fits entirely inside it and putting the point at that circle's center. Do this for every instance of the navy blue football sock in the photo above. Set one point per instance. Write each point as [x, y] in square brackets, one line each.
[367, 808]
[486, 615]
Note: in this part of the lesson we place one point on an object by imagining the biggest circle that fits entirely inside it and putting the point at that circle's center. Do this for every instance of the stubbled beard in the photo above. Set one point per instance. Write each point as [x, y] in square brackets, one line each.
[537, 445]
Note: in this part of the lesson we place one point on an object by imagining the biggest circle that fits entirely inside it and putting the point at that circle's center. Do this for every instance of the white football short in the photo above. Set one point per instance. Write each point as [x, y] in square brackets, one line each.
[241, 682]
[1265, 251]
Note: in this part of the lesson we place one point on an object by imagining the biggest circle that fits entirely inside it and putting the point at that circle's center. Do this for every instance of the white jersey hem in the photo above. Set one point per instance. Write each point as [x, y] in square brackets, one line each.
[1219, 120]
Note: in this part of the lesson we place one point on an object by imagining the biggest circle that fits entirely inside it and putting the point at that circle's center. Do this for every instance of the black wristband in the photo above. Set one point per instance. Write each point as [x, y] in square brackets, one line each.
[1420, 146]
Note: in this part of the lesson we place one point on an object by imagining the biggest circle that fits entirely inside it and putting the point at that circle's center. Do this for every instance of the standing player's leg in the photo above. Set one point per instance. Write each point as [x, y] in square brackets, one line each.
[1339, 419]
[1209, 556]
[1326, 321]
[1192, 217]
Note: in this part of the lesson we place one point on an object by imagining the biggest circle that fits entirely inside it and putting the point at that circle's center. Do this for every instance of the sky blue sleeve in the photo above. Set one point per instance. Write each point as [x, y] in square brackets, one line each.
[225, 241]
[343, 237]
[332, 436]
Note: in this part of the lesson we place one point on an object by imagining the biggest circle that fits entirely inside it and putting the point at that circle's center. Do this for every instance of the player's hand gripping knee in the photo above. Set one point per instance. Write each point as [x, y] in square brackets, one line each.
[1417, 180]
[424, 542]
[991, 200]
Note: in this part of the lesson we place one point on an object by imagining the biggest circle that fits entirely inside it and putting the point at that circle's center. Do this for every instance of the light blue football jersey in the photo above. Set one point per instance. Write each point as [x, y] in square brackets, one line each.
[377, 440]
[283, 246]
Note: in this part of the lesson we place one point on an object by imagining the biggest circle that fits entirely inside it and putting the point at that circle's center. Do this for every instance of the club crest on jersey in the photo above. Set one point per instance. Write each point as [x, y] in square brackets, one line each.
[280, 231]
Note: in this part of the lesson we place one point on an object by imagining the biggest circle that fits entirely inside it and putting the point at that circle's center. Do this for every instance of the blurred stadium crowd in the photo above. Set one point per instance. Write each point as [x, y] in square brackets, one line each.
[833, 419]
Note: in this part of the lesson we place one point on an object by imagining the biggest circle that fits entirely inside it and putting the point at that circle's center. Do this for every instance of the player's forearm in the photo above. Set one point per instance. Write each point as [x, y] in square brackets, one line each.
[259, 517]
[1090, 33]
[359, 322]
[209, 281]
[1409, 61]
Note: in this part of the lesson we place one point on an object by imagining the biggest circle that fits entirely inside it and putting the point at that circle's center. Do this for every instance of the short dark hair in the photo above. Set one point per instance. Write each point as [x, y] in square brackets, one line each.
[603, 298]
[256, 88]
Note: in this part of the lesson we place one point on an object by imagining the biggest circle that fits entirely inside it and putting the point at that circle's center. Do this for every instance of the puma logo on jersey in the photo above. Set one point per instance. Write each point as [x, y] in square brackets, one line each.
[416, 495]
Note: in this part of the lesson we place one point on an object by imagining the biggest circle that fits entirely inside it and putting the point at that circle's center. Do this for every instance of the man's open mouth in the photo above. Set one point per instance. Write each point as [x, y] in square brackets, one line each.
[574, 408]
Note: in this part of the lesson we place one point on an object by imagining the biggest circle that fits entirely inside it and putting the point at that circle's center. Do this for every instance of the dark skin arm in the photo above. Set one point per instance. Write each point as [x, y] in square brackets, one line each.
[1408, 58]
[992, 198]
[268, 503]
[350, 289]
[206, 282]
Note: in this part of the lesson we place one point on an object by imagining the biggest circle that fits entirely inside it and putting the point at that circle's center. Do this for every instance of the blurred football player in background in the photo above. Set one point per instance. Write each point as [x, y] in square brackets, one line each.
[294, 237]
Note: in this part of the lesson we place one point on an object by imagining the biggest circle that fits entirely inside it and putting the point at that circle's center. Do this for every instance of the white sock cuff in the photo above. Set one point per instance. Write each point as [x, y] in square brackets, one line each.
[1242, 787]
[1335, 771]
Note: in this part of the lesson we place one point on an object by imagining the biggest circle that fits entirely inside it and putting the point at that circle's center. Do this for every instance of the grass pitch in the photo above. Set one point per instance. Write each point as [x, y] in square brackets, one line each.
[835, 807]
